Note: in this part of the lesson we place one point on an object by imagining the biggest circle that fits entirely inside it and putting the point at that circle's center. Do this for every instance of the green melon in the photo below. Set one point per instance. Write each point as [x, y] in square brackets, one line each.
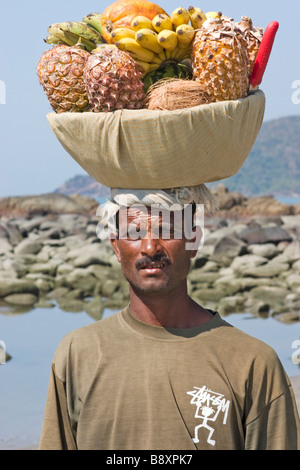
[170, 70]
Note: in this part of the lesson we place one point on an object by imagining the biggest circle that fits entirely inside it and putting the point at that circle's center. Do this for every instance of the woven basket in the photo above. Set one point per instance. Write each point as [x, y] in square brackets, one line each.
[162, 149]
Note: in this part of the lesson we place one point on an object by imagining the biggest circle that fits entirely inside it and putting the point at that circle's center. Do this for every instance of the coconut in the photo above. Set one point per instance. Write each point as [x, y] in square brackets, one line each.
[175, 93]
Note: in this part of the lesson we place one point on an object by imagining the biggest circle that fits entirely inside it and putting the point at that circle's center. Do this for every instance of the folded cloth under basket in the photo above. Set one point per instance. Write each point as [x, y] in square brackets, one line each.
[162, 149]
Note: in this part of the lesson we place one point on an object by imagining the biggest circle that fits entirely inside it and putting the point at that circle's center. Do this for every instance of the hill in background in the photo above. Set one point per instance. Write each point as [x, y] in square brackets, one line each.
[273, 166]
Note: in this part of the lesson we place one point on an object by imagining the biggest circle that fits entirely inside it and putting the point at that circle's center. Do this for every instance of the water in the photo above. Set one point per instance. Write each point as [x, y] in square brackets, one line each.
[31, 339]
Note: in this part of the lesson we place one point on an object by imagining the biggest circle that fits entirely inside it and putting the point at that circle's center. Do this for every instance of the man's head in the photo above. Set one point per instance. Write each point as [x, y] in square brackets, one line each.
[153, 233]
[151, 245]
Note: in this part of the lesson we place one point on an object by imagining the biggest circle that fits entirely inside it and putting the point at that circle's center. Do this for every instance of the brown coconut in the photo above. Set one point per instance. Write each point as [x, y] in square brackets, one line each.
[175, 93]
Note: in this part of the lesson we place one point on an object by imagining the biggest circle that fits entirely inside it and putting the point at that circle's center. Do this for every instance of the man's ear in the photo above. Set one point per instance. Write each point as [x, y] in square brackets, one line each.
[114, 240]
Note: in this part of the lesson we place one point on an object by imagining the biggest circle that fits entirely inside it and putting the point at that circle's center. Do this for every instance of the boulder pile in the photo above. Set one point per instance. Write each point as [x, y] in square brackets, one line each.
[50, 254]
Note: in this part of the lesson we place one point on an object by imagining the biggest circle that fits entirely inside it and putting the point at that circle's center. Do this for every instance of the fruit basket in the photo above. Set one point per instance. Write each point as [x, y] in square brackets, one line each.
[153, 149]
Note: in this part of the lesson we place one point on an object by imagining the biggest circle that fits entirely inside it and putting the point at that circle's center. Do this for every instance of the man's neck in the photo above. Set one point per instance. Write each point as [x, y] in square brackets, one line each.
[174, 310]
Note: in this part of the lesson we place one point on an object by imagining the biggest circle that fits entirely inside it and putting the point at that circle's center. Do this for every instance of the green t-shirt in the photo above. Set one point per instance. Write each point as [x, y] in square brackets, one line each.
[120, 384]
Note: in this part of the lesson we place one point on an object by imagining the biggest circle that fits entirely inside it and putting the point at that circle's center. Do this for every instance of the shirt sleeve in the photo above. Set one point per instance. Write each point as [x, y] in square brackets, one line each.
[56, 431]
[276, 427]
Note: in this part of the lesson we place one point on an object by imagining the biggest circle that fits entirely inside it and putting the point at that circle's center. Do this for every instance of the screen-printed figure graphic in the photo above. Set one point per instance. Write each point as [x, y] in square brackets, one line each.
[209, 405]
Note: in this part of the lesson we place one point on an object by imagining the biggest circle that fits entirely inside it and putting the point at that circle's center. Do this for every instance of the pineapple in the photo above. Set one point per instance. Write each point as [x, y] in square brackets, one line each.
[113, 80]
[220, 60]
[60, 72]
[253, 36]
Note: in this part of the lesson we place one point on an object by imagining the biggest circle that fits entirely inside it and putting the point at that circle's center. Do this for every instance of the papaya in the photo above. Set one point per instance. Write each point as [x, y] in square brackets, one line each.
[121, 13]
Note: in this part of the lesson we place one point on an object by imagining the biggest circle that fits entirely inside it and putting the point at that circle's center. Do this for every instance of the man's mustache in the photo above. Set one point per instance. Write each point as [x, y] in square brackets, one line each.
[150, 262]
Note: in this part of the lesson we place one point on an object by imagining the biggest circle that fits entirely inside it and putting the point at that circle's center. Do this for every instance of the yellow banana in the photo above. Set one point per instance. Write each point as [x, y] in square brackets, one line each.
[197, 17]
[185, 33]
[180, 16]
[148, 39]
[141, 22]
[183, 53]
[168, 39]
[162, 55]
[213, 14]
[81, 29]
[174, 52]
[161, 22]
[156, 59]
[146, 67]
[120, 33]
[136, 51]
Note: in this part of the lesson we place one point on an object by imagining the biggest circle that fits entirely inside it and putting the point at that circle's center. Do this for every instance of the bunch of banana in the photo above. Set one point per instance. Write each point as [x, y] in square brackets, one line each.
[165, 38]
[87, 32]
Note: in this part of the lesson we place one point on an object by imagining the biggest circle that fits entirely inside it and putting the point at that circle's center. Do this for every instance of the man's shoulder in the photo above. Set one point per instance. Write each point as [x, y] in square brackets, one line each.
[245, 347]
[87, 338]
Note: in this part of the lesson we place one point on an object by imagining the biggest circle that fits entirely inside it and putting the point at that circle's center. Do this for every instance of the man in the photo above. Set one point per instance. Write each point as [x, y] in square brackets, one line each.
[165, 373]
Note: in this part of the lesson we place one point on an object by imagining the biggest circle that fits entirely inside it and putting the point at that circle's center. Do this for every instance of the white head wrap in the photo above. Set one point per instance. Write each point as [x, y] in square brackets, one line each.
[170, 199]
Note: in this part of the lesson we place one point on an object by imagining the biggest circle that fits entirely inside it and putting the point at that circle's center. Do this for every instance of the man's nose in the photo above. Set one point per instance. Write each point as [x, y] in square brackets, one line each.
[150, 245]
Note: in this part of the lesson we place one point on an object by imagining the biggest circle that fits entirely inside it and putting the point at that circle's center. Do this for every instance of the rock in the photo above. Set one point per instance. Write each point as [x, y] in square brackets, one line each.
[5, 246]
[58, 293]
[269, 293]
[228, 247]
[71, 305]
[11, 232]
[93, 254]
[247, 261]
[267, 206]
[199, 261]
[211, 266]
[270, 269]
[42, 204]
[232, 304]
[198, 276]
[227, 199]
[80, 279]
[267, 250]
[293, 280]
[28, 246]
[17, 286]
[296, 266]
[44, 303]
[15, 266]
[64, 268]
[95, 308]
[288, 317]
[30, 225]
[257, 308]
[43, 268]
[21, 299]
[292, 251]
[109, 287]
[209, 294]
[255, 234]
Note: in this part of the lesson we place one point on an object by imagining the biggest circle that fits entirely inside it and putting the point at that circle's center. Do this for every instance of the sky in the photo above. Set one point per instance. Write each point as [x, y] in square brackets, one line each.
[32, 161]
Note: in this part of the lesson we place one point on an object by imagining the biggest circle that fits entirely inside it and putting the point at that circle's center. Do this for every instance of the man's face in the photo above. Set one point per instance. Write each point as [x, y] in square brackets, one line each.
[152, 250]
